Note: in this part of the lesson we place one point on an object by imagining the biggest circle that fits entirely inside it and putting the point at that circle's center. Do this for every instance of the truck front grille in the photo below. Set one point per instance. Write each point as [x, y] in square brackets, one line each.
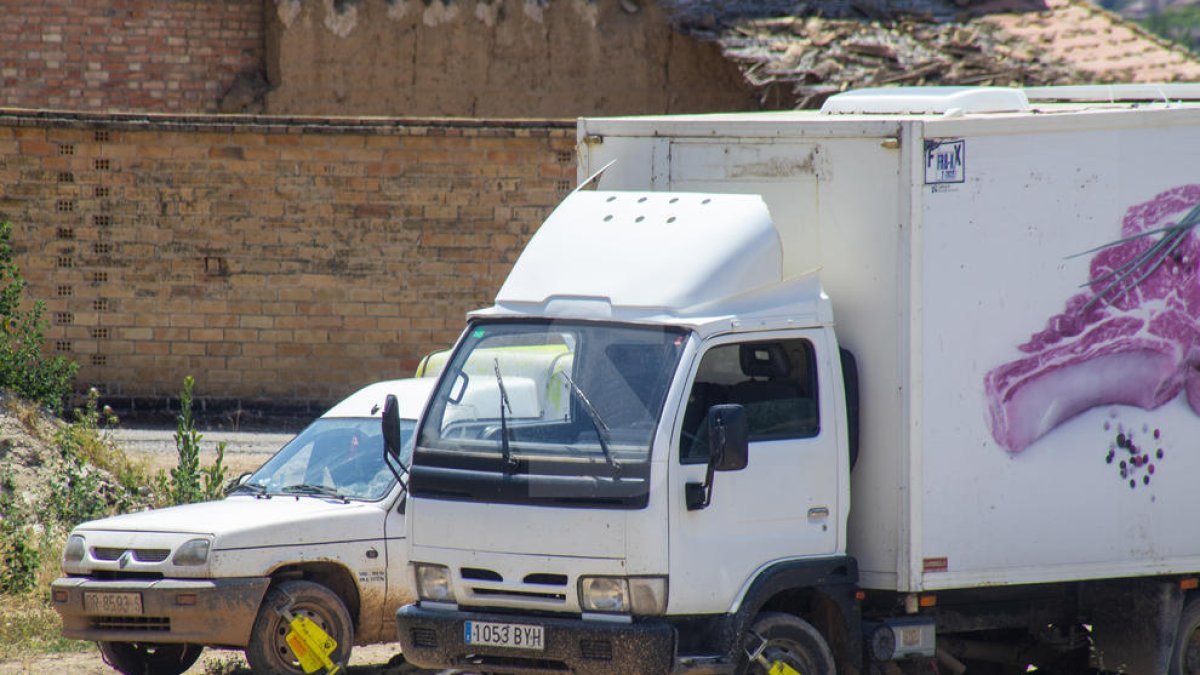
[141, 624]
[536, 586]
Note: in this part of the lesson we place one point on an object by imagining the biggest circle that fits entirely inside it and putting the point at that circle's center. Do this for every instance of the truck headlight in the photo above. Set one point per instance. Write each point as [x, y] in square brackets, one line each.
[193, 552]
[433, 583]
[648, 595]
[643, 596]
[75, 549]
[603, 594]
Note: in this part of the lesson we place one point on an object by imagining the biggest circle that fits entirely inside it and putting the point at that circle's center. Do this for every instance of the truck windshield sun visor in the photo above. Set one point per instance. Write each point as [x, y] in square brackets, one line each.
[547, 412]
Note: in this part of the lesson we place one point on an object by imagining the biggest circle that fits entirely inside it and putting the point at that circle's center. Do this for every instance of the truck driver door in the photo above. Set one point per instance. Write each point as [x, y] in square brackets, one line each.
[784, 504]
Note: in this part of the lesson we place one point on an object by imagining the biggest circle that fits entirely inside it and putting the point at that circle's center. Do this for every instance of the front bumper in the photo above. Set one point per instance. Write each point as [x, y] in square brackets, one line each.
[198, 611]
[434, 639]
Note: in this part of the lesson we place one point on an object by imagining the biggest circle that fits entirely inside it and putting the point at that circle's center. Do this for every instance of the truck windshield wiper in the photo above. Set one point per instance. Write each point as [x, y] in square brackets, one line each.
[316, 490]
[602, 432]
[505, 450]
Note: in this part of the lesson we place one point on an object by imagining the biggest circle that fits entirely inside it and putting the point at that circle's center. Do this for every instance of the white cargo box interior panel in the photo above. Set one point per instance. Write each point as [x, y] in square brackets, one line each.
[999, 397]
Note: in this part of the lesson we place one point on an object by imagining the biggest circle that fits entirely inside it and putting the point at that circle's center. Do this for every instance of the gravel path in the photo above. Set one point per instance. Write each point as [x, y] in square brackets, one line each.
[244, 451]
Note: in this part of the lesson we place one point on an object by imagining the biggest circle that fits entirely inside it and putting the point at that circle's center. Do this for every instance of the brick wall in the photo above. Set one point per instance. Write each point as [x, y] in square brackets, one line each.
[153, 55]
[283, 263]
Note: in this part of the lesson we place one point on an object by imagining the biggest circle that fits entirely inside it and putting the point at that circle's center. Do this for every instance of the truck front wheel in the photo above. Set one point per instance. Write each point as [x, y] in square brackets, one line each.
[788, 639]
[148, 658]
[269, 653]
[1185, 658]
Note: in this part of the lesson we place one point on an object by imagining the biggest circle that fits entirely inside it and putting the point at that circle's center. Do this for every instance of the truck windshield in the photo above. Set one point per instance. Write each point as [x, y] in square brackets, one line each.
[528, 398]
[334, 456]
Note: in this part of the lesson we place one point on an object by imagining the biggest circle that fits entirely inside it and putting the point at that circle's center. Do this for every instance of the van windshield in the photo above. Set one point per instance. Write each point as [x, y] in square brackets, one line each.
[588, 394]
[333, 457]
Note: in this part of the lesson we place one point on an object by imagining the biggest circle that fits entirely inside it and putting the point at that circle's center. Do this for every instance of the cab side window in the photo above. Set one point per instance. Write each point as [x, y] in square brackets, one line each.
[774, 380]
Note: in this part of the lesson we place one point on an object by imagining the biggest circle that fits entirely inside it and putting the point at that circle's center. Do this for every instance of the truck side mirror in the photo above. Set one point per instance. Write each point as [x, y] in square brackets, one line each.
[728, 450]
[728, 444]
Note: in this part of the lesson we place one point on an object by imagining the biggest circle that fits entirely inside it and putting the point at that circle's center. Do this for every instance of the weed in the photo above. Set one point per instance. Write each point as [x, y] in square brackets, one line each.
[189, 482]
[224, 665]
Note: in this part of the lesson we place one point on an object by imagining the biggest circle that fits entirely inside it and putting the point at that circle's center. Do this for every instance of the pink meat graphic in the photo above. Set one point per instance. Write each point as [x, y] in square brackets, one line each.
[1132, 338]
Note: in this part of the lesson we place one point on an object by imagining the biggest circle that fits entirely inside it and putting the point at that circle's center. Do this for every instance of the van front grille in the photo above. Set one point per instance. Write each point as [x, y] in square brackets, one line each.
[141, 624]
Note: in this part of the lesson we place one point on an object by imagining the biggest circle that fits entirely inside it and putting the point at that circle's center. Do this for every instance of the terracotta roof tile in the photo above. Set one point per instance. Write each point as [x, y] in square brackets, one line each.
[796, 60]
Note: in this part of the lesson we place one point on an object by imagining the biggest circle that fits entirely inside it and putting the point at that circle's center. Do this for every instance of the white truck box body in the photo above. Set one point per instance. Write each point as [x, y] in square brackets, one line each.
[936, 275]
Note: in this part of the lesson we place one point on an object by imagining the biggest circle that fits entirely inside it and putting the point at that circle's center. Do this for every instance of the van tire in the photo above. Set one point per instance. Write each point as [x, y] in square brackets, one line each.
[1185, 655]
[148, 658]
[268, 652]
[789, 639]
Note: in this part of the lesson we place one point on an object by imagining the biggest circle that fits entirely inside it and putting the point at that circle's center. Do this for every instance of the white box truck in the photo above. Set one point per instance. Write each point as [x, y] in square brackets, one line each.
[317, 531]
[912, 379]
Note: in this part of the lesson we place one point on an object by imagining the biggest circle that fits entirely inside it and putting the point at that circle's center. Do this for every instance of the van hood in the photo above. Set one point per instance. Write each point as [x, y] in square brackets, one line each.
[244, 521]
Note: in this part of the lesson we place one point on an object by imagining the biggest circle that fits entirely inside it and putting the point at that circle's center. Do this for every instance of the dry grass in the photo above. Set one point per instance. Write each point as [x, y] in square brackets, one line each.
[29, 626]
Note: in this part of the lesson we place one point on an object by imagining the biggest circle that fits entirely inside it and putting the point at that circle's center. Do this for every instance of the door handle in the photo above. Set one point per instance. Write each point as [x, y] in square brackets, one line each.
[818, 512]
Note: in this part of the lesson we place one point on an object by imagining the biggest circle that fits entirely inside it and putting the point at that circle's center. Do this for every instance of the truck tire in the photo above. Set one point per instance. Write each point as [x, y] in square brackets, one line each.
[148, 658]
[1185, 656]
[269, 653]
[789, 639]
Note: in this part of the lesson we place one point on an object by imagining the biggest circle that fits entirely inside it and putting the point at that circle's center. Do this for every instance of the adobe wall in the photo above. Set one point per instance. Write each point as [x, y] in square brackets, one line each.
[281, 262]
[461, 58]
[146, 55]
[491, 58]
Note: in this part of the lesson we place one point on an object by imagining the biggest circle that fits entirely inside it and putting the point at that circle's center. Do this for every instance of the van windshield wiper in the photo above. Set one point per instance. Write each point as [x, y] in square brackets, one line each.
[314, 490]
[602, 432]
[505, 451]
[256, 488]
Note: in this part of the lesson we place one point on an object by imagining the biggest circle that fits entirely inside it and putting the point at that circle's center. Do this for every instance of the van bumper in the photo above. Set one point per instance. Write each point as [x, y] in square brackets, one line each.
[435, 638]
[196, 611]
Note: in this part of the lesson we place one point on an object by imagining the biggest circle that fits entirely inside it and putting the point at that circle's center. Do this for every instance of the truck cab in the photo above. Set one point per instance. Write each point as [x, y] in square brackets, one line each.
[668, 448]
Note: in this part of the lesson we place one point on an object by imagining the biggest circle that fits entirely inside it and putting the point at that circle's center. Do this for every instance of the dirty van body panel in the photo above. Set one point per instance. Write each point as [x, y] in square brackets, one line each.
[222, 614]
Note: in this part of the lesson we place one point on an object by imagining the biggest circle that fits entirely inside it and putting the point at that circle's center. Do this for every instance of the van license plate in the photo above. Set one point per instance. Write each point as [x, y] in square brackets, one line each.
[113, 604]
[514, 635]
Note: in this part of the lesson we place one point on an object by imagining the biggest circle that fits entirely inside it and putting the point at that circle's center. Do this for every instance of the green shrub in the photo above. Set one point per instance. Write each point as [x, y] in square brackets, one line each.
[23, 367]
[20, 558]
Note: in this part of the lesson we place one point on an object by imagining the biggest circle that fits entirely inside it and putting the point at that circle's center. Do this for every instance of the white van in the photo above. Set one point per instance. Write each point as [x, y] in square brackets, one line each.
[318, 530]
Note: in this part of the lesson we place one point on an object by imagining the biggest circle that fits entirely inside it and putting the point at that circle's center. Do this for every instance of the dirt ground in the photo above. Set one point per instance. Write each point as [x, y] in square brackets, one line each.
[369, 660]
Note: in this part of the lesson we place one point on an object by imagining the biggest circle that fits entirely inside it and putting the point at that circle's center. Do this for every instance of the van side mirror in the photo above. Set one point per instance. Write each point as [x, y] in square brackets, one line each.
[391, 426]
[390, 422]
[728, 450]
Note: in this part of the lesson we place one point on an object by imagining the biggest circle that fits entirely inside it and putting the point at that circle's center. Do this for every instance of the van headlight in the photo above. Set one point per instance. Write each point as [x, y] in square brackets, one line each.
[643, 596]
[193, 552]
[433, 583]
[75, 549]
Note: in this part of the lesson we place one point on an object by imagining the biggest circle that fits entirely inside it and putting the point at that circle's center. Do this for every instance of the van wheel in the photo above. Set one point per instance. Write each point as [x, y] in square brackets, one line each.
[789, 639]
[269, 653]
[1185, 657]
[148, 658]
